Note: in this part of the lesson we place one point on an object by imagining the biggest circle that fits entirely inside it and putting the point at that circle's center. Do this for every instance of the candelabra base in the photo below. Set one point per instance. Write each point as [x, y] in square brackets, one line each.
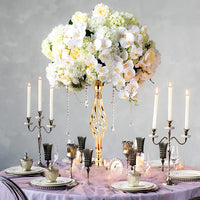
[40, 164]
[169, 182]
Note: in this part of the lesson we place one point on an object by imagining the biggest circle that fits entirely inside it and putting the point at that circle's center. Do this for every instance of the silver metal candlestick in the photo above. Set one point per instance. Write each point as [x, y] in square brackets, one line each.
[169, 138]
[39, 126]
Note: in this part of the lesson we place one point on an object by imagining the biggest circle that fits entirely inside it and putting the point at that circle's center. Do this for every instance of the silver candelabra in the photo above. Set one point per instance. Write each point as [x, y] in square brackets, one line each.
[39, 127]
[169, 138]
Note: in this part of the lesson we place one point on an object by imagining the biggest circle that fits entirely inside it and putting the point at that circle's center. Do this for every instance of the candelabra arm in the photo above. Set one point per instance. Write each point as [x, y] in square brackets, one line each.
[39, 127]
[29, 123]
[181, 143]
[153, 140]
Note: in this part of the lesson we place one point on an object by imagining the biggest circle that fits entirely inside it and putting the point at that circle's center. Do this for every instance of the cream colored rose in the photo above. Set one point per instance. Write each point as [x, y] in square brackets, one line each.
[80, 17]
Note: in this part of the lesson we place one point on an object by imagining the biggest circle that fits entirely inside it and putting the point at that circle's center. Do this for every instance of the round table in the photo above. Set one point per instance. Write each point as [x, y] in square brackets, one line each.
[100, 188]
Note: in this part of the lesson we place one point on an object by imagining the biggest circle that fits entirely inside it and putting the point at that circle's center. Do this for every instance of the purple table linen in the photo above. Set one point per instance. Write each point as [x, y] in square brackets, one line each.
[100, 187]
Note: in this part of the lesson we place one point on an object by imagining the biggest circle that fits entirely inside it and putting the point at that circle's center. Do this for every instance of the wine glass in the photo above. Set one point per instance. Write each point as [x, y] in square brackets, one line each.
[55, 154]
[127, 145]
[147, 164]
[174, 155]
[71, 154]
[88, 161]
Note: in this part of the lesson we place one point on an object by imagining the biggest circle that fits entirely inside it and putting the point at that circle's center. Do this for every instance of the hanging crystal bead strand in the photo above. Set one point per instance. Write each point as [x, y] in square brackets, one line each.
[131, 114]
[113, 110]
[67, 116]
[86, 96]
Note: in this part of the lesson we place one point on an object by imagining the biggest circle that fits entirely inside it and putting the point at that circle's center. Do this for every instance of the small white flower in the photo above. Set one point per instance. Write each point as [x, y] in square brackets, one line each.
[135, 30]
[118, 81]
[101, 44]
[126, 39]
[135, 52]
[74, 35]
[123, 94]
[132, 86]
[91, 61]
[91, 47]
[124, 55]
[105, 56]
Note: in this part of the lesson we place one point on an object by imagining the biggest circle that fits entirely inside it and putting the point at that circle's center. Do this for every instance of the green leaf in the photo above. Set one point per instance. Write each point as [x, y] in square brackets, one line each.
[89, 33]
[70, 22]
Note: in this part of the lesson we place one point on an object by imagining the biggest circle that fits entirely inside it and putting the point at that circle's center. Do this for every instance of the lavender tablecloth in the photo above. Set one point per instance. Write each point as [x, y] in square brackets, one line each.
[100, 187]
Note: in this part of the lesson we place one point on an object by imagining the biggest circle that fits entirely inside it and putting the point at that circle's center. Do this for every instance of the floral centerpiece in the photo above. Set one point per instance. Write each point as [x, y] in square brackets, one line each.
[109, 46]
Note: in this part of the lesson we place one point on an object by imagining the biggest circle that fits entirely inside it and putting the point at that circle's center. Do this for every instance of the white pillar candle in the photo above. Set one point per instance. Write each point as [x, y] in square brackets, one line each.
[187, 100]
[39, 93]
[155, 109]
[51, 104]
[170, 101]
[28, 100]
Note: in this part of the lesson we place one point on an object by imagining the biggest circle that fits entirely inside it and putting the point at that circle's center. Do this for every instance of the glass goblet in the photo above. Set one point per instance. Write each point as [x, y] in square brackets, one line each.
[127, 145]
[81, 145]
[71, 154]
[47, 152]
[174, 155]
[88, 161]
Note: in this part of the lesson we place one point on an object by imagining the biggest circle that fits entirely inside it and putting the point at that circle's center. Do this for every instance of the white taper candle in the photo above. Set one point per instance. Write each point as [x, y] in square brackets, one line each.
[187, 100]
[39, 93]
[28, 100]
[170, 101]
[155, 109]
[51, 104]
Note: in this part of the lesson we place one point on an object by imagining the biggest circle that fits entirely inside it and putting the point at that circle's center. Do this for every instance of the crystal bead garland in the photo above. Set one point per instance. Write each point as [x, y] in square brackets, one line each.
[131, 114]
[113, 110]
[86, 96]
[67, 116]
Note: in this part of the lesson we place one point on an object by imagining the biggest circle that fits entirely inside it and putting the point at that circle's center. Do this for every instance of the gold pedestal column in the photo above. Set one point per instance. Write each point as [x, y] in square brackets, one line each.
[98, 122]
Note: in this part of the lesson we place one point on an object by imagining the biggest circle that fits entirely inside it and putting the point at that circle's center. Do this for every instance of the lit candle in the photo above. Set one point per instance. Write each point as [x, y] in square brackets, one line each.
[51, 104]
[29, 100]
[155, 109]
[187, 100]
[39, 93]
[170, 101]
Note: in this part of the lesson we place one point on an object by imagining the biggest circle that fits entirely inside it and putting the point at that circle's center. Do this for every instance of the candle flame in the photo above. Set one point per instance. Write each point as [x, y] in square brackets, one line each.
[156, 90]
[187, 92]
[39, 78]
[29, 84]
[170, 84]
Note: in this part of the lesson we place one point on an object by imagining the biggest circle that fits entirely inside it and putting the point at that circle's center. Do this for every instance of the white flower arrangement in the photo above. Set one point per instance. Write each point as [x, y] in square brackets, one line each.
[109, 46]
